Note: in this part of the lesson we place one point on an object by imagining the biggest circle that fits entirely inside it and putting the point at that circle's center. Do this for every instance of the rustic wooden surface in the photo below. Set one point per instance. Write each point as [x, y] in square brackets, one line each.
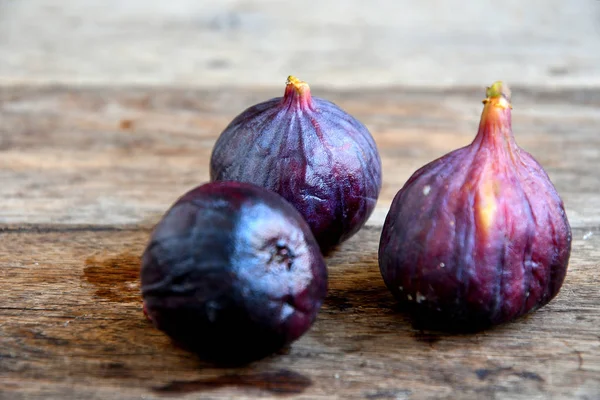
[542, 43]
[85, 173]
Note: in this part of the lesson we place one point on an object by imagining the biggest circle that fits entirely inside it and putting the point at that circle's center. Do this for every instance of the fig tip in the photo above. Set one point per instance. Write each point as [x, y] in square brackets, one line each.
[498, 89]
[298, 84]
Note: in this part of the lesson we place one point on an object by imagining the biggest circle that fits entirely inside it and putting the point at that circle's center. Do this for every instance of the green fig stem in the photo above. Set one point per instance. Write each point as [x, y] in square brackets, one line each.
[495, 128]
[299, 91]
[498, 94]
[297, 84]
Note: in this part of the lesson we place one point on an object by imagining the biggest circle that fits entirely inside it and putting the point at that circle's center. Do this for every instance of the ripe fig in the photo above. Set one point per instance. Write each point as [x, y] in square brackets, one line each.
[233, 273]
[311, 152]
[479, 236]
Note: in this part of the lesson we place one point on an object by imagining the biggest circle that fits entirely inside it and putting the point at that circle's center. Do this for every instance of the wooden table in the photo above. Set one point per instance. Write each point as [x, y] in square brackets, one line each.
[85, 173]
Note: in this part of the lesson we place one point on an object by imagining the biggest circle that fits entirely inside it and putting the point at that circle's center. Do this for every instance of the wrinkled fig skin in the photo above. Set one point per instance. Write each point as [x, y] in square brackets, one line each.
[312, 153]
[479, 236]
[233, 273]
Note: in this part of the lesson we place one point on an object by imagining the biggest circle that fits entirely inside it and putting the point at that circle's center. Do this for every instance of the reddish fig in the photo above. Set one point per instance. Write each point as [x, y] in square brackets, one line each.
[479, 236]
[308, 150]
[233, 272]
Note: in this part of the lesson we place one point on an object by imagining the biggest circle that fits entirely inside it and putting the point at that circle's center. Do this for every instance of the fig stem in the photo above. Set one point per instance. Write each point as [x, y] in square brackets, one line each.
[299, 90]
[297, 84]
[500, 93]
[495, 124]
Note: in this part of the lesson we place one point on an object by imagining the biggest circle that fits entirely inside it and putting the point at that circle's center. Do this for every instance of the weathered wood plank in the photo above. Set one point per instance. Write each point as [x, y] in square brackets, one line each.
[343, 43]
[102, 156]
[72, 326]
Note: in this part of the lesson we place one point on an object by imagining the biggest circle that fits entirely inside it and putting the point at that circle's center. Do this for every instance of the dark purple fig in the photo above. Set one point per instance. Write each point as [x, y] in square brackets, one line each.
[479, 236]
[233, 273]
[311, 152]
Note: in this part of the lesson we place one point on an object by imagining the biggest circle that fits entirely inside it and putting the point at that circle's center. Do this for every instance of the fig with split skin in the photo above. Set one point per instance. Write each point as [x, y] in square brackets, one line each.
[233, 273]
[308, 150]
[479, 236]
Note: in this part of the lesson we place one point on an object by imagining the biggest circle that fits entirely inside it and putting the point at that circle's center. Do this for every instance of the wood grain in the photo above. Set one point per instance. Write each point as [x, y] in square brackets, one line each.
[543, 43]
[87, 172]
[114, 156]
[72, 326]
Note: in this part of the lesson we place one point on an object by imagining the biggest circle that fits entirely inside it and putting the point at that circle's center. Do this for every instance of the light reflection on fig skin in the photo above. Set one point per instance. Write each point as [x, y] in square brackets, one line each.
[479, 236]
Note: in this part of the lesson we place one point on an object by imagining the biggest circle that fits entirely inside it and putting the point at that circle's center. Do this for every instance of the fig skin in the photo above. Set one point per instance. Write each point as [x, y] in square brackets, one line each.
[233, 273]
[479, 236]
[308, 150]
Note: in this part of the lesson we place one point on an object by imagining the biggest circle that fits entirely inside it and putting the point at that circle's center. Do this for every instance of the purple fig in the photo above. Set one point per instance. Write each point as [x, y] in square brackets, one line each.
[479, 236]
[311, 152]
[233, 273]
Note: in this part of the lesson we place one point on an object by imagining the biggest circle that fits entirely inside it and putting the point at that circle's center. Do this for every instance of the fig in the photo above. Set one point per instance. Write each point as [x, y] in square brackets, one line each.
[479, 236]
[308, 150]
[233, 273]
